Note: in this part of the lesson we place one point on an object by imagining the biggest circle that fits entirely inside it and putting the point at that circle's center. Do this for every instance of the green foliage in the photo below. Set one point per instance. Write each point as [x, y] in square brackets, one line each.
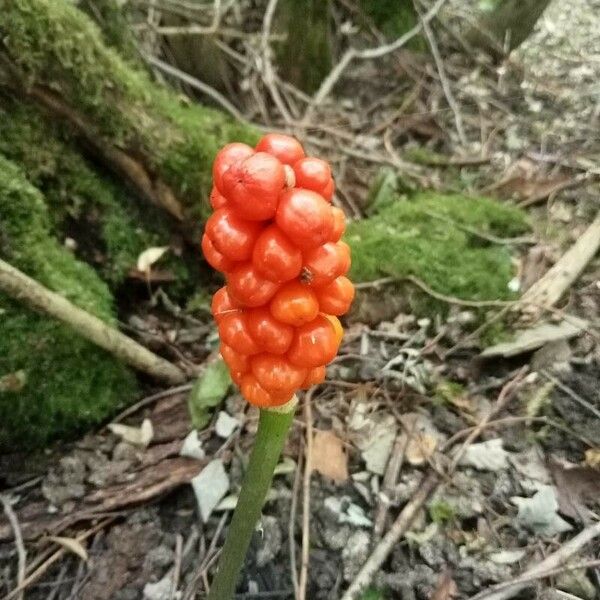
[66, 382]
[441, 512]
[208, 391]
[394, 18]
[447, 391]
[372, 593]
[424, 236]
[58, 46]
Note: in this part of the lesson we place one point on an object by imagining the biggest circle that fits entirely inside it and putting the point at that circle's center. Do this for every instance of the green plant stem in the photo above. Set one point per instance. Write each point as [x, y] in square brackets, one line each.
[270, 438]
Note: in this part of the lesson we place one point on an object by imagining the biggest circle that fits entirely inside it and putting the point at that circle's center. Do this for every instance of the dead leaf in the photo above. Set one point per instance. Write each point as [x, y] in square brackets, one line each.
[210, 486]
[149, 256]
[592, 458]
[446, 588]
[423, 438]
[328, 456]
[138, 436]
[530, 339]
[70, 544]
[540, 512]
[577, 486]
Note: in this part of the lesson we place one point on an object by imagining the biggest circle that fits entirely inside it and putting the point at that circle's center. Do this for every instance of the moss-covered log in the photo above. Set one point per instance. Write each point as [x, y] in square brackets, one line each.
[51, 381]
[54, 55]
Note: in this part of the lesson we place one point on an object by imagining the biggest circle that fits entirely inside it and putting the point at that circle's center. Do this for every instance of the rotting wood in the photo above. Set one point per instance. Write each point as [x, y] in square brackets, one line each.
[550, 288]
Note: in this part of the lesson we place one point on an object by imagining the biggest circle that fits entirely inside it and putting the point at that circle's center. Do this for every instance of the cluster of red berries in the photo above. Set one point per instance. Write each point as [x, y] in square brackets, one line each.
[276, 237]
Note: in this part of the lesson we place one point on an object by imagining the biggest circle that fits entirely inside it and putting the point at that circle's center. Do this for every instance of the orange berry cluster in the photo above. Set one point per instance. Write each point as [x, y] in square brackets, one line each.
[276, 237]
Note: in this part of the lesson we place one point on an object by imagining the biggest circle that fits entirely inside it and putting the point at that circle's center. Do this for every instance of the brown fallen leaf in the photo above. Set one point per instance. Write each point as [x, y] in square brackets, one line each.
[446, 588]
[328, 456]
[592, 458]
[577, 486]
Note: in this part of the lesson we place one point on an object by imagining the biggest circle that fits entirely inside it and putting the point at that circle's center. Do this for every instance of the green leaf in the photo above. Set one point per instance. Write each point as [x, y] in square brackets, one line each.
[372, 594]
[210, 388]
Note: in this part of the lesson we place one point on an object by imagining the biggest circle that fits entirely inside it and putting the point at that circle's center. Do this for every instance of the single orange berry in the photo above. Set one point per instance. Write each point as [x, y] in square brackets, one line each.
[294, 304]
[234, 333]
[248, 288]
[284, 147]
[314, 376]
[269, 333]
[276, 374]
[237, 363]
[314, 344]
[336, 298]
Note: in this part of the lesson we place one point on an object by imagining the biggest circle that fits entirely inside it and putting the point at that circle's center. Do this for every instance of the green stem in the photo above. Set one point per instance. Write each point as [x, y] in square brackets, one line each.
[270, 438]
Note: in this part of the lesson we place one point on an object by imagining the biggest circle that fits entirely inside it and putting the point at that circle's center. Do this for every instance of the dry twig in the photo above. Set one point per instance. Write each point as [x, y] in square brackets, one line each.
[545, 568]
[548, 290]
[22, 288]
[21, 553]
[334, 75]
[425, 489]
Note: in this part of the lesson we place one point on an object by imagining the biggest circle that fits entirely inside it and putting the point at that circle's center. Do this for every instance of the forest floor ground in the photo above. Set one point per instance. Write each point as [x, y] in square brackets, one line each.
[510, 443]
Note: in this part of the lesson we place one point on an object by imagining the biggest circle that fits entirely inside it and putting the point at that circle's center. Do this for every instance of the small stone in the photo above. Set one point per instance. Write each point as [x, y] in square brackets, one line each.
[270, 544]
[125, 451]
[355, 553]
[158, 558]
[576, 583]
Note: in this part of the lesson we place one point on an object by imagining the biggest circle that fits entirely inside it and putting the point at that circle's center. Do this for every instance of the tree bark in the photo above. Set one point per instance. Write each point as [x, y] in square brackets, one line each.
[506, 25]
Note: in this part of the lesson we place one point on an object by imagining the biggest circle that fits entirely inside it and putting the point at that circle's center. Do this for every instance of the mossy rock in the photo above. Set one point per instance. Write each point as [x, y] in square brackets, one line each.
[431, 236]
[54, 382]
[59, 47]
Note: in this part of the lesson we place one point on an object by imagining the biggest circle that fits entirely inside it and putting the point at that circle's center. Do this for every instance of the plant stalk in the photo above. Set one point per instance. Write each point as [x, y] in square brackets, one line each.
[270, 438]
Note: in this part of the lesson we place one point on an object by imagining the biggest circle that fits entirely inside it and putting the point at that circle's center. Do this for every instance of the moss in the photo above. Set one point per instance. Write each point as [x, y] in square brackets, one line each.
[58, 46]
[394, 18]
[66, 382]
[115, 26]
[441, 512]
[414, 237]
[111, 228]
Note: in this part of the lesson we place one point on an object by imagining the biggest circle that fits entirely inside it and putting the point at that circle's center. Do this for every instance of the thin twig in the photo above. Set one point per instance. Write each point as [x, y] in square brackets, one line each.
[37, 573]
[571, 393]
[389, 481]
[426, 487]
[334, 75]
[292, 525]
[545, 568]
[21, 553]
[303, 579]
[437, 295]
[25, 289]
[439, 63]
[176, 566]
[196, 84]
[267, 70]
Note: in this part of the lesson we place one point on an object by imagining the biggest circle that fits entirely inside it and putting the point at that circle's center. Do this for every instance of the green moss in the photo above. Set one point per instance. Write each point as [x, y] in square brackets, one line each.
[424, 237]
[115, 26]
[66, 382]
[57, 45]
[110, 227]
[441, 512]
